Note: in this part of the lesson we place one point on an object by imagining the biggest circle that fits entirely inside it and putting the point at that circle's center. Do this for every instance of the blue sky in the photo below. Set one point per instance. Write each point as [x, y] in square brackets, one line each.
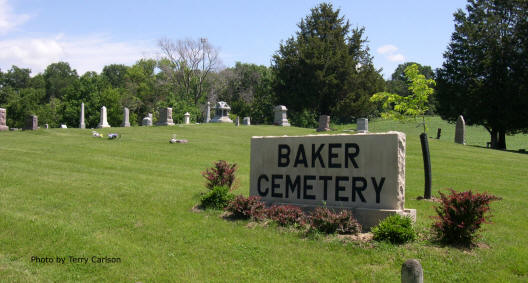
[92, 34]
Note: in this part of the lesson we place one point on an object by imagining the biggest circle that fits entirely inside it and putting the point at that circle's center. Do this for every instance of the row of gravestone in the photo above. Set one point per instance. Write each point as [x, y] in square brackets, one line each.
[222, 115]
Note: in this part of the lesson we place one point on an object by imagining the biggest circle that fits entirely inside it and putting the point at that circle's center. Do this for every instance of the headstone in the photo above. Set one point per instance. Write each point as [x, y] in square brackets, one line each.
[63, 126]
[222, 113]
[147, 121]
[460, 130]
[208, 114]
[339, 171]
[31, 123]
[362, 125]
[103, 123]
[126, 116]
[187, 118]
[82, 125]
[438, 133]
[324, 123]
[281, 118]
[411, 272]
[165, 117]
[46, 126]
[237, 121]
[3, 118]
[246, 121]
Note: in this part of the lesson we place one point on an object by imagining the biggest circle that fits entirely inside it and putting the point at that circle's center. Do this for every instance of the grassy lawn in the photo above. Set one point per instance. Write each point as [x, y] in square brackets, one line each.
[64, 193]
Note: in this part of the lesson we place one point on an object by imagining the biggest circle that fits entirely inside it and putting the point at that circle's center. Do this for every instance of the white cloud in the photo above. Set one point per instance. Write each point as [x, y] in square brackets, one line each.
[8, 19]
[389, 51]
[89, 53]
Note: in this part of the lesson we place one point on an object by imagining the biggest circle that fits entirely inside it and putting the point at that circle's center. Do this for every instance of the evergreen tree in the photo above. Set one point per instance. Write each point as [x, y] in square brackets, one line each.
[485, 73]
[326, 68]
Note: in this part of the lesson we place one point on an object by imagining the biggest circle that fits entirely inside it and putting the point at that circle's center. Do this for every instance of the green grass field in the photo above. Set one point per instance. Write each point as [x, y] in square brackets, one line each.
[64, 193]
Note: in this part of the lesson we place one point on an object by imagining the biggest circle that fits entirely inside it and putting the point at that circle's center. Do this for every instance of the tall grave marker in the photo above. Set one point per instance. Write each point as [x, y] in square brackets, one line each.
[103, 123]
[3, 118]
[363, 172]
[460, 130]
[126, 117]
[281, 118]
[82, 125]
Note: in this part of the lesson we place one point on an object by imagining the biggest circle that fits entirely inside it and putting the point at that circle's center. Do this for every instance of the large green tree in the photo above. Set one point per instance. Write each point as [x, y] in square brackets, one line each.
[326, 68]
[485, 73]
[247, 89]
[399, 83]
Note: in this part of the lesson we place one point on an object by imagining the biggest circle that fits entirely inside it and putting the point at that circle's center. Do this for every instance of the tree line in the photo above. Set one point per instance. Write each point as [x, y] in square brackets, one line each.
[324, 68]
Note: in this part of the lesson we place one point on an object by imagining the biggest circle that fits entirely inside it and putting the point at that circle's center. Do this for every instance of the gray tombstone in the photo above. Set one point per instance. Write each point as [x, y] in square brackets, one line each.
[165, 117]
[246, 121]
[103, 123]
[63, 126]
[222, 113]
[187, 118]
[46, 126]
[208, 113]
[3, 119]
[460, 130]
[82, 125]
[324, 123]
[281, 118]
[31, 123]
[126, 117]
[147, 121]
[237, 121]
[362, 125]
[411, 272]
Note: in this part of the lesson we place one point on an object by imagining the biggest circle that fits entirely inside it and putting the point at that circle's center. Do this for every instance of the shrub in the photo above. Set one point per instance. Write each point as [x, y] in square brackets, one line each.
[222, 174]
[460, 215]
[217, 198]
[245, 208]
[329, 222]
[286, 215]
[396, 229]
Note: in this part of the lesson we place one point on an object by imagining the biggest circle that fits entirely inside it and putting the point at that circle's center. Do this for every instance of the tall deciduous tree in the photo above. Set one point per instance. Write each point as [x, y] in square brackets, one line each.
[485, 73]
[188, 63]
[320, 70]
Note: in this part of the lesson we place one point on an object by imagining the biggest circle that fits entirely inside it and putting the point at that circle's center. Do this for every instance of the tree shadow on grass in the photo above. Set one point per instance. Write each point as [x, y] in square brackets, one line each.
[521, 151]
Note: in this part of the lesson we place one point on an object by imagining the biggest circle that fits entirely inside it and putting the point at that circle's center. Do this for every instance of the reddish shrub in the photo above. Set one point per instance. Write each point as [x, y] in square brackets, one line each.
[460, 215]
[245, 208]
[329, 222]
[222, 174]
[286, 215]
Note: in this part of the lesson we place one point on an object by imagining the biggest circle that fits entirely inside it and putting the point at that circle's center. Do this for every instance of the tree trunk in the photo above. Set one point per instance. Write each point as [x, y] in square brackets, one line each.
[501, 144]
[494, 138]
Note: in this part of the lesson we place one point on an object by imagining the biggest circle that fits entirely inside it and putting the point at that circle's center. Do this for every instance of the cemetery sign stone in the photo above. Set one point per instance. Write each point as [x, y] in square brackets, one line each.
[364, 173]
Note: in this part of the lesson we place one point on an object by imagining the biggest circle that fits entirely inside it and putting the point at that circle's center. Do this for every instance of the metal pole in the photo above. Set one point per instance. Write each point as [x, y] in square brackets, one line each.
[427, 165]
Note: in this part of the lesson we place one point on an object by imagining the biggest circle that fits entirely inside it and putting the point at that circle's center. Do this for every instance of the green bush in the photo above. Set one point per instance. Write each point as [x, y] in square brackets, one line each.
[395, 229]
[217, 198]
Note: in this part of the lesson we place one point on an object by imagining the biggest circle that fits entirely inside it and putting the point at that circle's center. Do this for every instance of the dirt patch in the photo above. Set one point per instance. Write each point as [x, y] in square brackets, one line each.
[432, 199]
